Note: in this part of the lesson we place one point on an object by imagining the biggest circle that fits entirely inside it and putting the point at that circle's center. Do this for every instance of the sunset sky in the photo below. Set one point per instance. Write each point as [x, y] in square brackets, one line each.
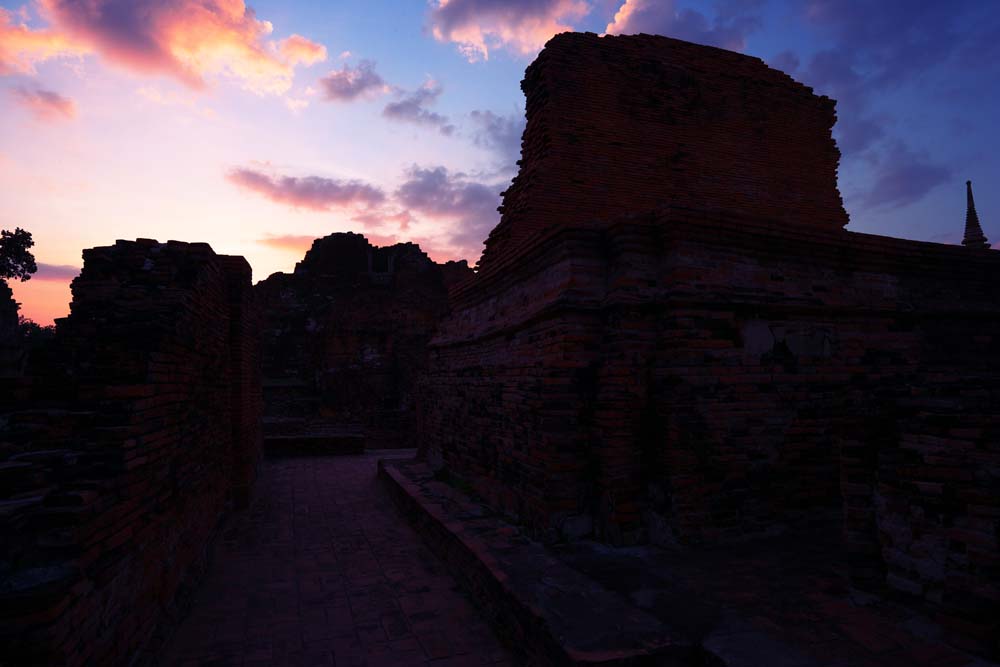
[259, 127]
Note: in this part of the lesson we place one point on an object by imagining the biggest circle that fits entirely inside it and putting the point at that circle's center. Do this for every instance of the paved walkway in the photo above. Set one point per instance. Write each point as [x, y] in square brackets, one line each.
[324, 571]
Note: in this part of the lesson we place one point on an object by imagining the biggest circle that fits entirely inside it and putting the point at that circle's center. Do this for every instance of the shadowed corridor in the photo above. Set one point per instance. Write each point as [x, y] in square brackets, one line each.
[322, 570]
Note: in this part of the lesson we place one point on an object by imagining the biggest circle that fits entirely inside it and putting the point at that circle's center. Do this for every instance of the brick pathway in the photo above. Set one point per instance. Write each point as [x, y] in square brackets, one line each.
[324, 571]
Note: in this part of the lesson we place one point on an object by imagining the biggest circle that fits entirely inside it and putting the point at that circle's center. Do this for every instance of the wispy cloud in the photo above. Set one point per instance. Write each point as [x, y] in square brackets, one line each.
[873, 49]
[55, 272]
[903, 177]
[449, 213]
[412, 108]
[520, 26]
[500, 134]
[350, 83]
[45, 105]
[469, 206]
[310, 192]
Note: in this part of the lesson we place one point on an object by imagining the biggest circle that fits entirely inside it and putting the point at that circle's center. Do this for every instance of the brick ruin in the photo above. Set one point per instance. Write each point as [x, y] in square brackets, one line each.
[10, 353]
[121, 447]
[672, 339]
[344, 340]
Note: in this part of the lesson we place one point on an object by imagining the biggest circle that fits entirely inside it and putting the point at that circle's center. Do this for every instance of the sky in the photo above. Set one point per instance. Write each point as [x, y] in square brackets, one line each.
[259, 127]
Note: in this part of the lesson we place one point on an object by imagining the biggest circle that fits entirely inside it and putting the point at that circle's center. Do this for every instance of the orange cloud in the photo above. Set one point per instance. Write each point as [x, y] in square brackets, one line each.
[21, 47]
[45, 105]
[184, 39]
[300, 50]
[521, 26]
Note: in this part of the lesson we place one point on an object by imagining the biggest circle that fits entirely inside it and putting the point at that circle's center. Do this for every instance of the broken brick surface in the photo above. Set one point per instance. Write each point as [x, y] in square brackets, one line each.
[130, 435]
[682, 370]
[344, 339]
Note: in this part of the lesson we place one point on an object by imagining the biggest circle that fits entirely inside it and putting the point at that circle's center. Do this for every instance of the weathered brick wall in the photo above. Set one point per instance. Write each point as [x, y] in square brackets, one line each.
[345, 337]
[123, 447]
[10, 349]
[683, 378]
[629, 123]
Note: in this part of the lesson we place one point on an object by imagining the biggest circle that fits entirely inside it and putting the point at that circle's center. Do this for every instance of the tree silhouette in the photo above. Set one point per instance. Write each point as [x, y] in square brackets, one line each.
[16, 261]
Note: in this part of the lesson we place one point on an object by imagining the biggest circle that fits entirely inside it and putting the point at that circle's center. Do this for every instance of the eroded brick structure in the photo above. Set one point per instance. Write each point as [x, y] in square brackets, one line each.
[121, 448]
[672, 338]
[620, 125]
[10, 353]
[345, 337]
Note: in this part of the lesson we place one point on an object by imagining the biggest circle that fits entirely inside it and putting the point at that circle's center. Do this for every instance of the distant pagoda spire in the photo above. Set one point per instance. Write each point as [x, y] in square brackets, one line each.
[974, 237]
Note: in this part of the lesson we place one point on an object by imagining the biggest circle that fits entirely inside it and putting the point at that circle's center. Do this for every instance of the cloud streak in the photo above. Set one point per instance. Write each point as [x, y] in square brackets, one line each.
[59, 273]
[469, 206]
[412, 108]
[310, 192]
[500, 134]
[877, 48]
[519, 26]
[903, 177]
[44, 105]
[448, 213]
[351, 83]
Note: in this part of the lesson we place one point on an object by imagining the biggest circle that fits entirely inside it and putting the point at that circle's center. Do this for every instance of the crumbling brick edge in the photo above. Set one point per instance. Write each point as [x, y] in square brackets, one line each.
[523, 603]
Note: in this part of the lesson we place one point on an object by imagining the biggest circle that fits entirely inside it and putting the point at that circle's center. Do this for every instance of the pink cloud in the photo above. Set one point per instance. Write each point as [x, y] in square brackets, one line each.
[300, 50]
[45, 105]
[21, 47]
[351, 83]
[727, 30]
[412, 108]
[467, 208]
[311, 192]
[185, 39]
[520, 26]
[61, 273]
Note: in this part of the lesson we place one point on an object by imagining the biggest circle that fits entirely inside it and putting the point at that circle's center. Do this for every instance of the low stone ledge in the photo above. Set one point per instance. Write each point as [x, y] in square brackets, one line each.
[549, 613]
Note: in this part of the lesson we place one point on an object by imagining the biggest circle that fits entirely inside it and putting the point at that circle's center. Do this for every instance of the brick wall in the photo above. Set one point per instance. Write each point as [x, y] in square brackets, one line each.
[681, 377]
[122, 447]
[619, 124]
[345, 337]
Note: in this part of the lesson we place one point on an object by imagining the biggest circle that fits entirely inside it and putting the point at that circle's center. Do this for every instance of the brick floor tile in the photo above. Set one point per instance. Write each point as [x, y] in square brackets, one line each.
[322, 570]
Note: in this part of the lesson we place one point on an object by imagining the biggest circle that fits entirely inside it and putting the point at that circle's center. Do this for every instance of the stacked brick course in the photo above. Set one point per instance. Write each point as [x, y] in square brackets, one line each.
[122, 448]
[719, 367]
[345, 338]
[10, 353]
[665, 122]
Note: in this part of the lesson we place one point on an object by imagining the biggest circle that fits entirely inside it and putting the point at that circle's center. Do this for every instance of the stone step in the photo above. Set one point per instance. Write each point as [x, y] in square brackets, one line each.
[545, 610]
